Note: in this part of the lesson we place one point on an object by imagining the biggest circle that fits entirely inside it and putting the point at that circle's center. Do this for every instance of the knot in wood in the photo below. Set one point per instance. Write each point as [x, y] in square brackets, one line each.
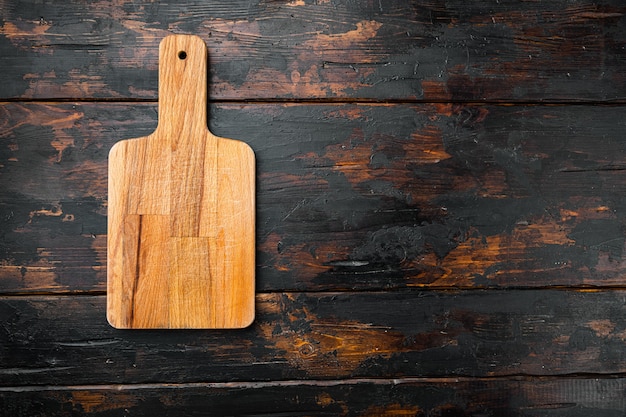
[306, 350]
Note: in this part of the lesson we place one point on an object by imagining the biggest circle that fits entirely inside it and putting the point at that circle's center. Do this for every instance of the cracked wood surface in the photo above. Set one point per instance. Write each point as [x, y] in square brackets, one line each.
[367, 196]
[362, 397]
[324, 336]
[393, 49]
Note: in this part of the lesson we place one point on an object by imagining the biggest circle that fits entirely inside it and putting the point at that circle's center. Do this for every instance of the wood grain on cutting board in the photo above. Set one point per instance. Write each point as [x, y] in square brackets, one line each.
[181, 211]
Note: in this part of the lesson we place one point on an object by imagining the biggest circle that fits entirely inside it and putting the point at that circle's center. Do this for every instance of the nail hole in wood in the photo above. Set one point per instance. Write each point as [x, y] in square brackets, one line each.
[182, 55]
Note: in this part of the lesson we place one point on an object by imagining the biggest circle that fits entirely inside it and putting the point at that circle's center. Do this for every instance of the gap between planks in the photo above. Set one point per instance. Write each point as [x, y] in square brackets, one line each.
[326, 101]
[314, 383]
[402, 290]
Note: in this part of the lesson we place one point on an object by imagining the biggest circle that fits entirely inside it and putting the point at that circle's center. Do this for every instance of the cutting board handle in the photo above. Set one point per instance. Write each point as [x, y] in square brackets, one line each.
[183, 85]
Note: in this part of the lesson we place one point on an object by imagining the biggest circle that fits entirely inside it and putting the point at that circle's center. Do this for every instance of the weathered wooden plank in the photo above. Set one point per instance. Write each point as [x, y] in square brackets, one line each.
[62, 340]
[399, 397]
[423, 50]
[348, 196]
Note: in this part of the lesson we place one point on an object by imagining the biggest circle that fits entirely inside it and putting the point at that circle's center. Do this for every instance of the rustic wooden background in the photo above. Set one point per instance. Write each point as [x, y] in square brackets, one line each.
[441, 207]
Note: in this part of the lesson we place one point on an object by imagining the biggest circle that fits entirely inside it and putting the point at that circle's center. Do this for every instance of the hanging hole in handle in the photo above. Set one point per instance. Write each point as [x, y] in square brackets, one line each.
[182, 55]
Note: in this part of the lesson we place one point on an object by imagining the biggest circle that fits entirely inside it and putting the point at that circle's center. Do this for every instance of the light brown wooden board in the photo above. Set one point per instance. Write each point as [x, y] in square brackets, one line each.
[181, 249]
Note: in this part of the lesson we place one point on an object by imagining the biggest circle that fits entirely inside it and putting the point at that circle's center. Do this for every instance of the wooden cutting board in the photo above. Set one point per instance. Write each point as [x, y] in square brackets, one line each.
[181, 216]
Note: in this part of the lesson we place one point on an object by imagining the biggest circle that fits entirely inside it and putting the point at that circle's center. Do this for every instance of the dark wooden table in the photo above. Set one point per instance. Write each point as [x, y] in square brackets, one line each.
[441, 207]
